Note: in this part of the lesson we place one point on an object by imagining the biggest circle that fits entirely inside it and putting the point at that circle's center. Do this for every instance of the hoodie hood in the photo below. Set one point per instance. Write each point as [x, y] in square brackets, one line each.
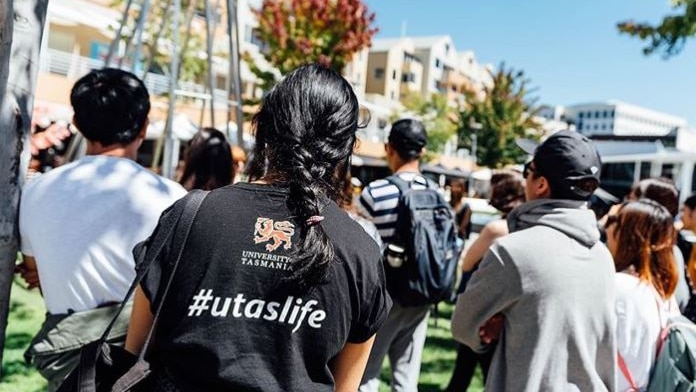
[570, 217]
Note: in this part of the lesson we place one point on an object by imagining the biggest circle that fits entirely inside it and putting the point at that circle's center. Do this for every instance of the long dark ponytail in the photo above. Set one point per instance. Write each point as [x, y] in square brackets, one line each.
[305, 134]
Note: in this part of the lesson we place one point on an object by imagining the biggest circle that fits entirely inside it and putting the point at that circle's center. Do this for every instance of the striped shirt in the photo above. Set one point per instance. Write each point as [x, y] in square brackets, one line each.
[380, 199]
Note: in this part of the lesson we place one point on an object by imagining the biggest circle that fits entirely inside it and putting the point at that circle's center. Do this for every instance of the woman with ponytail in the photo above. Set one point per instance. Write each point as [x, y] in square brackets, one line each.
[640, 237]
[277, 288]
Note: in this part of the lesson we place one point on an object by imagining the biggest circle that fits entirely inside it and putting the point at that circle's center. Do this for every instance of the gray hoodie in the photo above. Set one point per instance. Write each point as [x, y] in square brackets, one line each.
[553, 281]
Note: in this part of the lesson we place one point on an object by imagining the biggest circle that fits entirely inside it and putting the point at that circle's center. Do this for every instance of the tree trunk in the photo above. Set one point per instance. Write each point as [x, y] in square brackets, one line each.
[21, 26]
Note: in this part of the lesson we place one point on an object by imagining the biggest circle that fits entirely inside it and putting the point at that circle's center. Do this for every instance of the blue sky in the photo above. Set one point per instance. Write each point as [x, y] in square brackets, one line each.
[571, 50]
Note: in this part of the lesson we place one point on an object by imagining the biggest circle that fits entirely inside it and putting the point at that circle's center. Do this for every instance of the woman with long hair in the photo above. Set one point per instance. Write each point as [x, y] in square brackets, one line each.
[207, 161]
[640, 237]
[293, 289]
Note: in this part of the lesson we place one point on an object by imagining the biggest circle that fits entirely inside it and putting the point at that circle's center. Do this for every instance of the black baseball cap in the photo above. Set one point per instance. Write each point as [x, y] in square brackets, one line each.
[408, 137]
[565, 158]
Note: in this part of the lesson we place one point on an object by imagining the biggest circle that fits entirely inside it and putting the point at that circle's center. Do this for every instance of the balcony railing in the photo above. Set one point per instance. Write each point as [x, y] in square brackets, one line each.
[74, 66]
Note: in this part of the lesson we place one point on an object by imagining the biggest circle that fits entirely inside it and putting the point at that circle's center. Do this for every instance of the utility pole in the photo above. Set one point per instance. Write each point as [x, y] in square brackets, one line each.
[474, 127]
[235, 81]
[170, 143]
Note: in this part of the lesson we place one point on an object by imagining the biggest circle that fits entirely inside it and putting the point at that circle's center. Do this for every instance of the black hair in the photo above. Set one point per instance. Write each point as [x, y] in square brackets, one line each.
[305, 134]
[401, 139]
[208, 160]
[691, 201]
[111, 106]
[507, 190]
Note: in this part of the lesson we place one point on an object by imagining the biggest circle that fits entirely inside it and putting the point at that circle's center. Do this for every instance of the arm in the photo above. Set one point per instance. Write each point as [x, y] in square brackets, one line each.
[28, 271]
[494, 287]
[483, 242]
[349, 365]
[140, 322]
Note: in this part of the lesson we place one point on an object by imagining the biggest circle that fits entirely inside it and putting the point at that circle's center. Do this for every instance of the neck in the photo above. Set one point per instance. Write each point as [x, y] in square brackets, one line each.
[129, 151]
[412, 166]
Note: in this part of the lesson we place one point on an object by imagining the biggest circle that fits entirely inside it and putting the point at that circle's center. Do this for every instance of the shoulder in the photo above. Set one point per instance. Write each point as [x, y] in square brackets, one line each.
[351, 242]
[380, 188]
[495, 229]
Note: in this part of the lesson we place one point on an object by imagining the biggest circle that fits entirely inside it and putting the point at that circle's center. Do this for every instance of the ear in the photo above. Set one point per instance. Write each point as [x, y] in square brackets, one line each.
[541, 188]
[143, 131]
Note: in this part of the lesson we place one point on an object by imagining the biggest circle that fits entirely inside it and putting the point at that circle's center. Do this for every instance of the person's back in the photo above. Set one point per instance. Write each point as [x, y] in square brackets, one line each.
[277, 288]
[81, 220]
[79, 223]
[551, 280]
[403, 335]
[560, 317]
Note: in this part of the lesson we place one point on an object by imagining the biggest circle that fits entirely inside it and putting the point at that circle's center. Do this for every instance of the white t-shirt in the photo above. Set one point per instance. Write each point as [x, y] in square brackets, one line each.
[638, 326]
[81, 221]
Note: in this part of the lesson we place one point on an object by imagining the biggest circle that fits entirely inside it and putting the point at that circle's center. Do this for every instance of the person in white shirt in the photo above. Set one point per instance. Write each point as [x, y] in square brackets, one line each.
[640, 236]
[79, 223]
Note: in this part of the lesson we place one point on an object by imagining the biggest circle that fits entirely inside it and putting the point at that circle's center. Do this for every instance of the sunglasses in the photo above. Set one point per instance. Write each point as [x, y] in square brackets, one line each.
[528, 169]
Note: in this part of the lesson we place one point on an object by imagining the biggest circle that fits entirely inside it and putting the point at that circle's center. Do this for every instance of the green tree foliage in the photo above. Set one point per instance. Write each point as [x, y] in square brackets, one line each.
[157, 34]
[669, 36]
[505, 113]
[437, 116]
[329, 32]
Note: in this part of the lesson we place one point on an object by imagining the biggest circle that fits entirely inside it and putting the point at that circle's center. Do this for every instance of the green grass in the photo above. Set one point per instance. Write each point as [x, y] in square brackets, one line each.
[438, 357]
[27, 312]
[26, 315]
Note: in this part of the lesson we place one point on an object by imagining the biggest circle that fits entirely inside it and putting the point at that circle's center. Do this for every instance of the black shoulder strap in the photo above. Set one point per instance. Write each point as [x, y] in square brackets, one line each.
[186, 211]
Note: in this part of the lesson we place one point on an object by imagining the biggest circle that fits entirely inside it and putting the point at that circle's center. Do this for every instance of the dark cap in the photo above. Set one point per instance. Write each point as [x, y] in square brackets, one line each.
[565, 158]
[408, 137]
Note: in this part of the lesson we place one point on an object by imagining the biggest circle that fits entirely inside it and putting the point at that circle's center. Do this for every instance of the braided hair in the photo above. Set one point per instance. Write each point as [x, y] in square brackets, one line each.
[305, 134]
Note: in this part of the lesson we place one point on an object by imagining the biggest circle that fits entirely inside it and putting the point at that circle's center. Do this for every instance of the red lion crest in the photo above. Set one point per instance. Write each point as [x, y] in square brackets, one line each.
[266, 230]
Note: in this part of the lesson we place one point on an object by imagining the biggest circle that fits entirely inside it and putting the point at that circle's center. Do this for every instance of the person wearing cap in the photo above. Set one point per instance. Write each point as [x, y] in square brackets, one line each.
[403, 334]
[546, 291]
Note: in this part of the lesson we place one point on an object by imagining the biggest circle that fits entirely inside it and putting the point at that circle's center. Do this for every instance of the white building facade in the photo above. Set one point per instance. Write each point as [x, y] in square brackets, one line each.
[615, 118]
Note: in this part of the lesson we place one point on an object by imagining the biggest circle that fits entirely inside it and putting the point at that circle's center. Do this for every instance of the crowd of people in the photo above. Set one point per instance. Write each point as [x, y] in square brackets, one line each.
[288, 282]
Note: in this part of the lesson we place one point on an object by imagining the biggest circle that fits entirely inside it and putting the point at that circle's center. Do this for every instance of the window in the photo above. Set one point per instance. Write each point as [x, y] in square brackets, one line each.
[596, 114]
[379, 73]
[581, 115]
[617, 178]
[604, 114]
[644, 170]
[393, 74]
[437, 63]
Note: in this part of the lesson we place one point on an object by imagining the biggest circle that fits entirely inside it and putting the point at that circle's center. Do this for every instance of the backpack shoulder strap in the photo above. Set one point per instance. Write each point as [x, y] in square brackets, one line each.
[401, 184]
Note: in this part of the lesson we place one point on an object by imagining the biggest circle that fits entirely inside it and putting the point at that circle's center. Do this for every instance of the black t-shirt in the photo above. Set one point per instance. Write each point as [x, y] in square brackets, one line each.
[225, 323]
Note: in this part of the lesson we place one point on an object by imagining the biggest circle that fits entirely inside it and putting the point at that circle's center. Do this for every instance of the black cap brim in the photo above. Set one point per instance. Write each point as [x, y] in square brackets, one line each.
[527, 145]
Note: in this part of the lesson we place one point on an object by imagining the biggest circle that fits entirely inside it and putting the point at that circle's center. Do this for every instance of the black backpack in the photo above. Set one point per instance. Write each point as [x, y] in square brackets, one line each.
[420, 263]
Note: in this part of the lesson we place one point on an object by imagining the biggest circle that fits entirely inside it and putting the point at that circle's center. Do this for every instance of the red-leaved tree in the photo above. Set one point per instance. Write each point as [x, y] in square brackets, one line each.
[328, 32]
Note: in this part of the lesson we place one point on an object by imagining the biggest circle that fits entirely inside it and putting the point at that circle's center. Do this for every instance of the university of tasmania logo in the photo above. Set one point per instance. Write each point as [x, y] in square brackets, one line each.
[266, 230]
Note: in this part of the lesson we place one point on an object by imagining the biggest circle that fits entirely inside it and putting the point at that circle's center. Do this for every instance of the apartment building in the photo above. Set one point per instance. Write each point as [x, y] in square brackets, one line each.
[393, 69]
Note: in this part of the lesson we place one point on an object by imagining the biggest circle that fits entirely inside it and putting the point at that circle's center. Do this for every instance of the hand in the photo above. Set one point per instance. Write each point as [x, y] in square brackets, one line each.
[490, 330]
[30, 275]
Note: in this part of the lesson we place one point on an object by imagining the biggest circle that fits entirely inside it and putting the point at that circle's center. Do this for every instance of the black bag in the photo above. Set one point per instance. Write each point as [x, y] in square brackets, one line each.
[105, 367]
[420, 264]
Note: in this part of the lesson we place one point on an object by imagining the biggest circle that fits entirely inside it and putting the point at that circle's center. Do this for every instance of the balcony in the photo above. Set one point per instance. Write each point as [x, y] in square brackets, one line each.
[73, 66]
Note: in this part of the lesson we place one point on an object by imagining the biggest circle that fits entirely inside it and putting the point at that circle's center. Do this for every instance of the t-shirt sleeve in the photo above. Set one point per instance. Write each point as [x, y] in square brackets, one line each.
[374, 301]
